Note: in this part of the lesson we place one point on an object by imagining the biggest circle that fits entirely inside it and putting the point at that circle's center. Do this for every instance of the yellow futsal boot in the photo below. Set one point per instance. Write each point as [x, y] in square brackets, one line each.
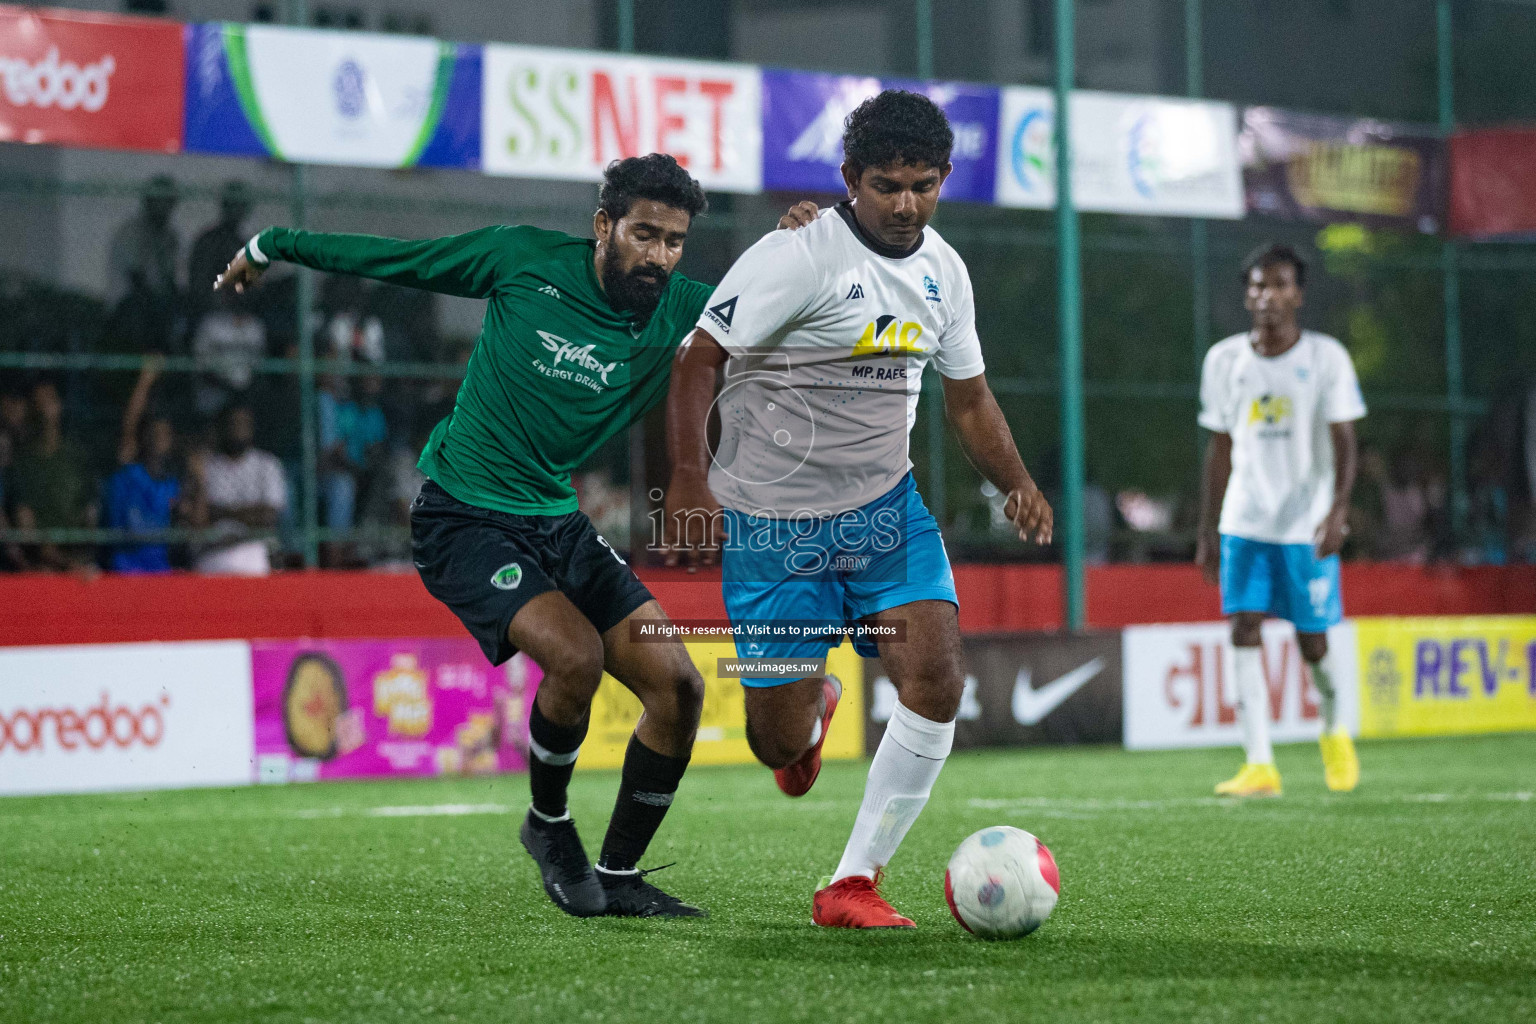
[1252, 780]
[1341, 768]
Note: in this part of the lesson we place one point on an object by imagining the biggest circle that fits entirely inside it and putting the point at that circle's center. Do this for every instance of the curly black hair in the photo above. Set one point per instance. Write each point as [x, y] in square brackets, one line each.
[897, 127]
[655, 176]
[1274, 254]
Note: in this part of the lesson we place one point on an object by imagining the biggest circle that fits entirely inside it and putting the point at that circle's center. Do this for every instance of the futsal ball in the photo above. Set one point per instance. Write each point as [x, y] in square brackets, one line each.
[1001, 883]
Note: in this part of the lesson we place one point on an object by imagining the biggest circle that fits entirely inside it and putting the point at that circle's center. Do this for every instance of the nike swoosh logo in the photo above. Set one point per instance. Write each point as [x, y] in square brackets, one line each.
[1031, 705]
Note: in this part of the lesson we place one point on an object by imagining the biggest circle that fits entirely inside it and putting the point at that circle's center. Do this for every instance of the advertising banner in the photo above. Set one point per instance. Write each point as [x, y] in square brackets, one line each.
[1130, 154]
[1493, 183]
[1024, 690]
[1310, 167]
[89, 80]
[722, 735]
[1179, 690]
[566, 114]
[803, 116]
[338, 709]
[97, 717]
[348, 98]
[1447, 676]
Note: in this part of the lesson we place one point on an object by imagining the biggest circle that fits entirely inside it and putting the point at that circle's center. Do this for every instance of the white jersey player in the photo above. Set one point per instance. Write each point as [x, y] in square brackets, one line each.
[1281, 404]
[824, 334]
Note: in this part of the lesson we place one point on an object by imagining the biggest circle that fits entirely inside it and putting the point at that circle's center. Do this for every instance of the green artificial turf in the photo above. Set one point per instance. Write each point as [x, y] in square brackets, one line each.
[1412, 899]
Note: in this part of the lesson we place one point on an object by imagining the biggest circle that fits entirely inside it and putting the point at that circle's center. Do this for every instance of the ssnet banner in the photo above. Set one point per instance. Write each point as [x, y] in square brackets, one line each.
[565, 114]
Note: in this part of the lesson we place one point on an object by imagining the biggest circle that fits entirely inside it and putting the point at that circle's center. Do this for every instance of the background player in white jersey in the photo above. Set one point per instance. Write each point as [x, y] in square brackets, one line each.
[1281, 404]
[824, 334]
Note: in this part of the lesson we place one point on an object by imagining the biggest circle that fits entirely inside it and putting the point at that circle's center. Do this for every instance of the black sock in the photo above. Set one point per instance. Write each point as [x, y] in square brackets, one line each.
[645, 792]
[552, 751]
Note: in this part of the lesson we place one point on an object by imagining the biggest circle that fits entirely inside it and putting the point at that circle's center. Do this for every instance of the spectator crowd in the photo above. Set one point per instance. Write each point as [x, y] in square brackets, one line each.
[218, 451]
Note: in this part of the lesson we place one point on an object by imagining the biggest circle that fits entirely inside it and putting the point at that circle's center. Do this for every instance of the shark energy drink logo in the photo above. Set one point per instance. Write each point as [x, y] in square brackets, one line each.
[584, 368]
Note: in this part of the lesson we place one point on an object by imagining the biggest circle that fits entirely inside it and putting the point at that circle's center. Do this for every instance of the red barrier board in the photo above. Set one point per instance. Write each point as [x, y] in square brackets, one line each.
[1493, 182]
[37, 609]
[77, 79]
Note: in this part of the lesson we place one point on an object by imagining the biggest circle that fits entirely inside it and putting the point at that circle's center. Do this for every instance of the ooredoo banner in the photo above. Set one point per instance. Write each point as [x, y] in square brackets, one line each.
[1312, 167]
[803, 116]
[1179, 690]
[100, 717]
[566, 114]
[1446, 676]
[89, 80]
[1025, 690]
[1130, 154]
[348, 98]
[336, 709]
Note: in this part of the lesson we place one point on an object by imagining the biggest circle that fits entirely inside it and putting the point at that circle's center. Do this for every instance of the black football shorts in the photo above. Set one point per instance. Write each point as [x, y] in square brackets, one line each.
[485, 565]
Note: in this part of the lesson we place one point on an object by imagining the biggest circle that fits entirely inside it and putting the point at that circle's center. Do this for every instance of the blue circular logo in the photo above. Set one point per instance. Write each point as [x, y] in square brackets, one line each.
[994, 837]
[1034, 150]
[1143, 156]
[349, 85]
[990, 894]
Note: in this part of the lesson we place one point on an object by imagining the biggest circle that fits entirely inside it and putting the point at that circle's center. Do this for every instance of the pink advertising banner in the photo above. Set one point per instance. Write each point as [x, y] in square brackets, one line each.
[338, 709]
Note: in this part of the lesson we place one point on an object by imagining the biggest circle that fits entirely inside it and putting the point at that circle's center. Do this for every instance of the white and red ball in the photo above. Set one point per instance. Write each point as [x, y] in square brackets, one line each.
[1001, 883]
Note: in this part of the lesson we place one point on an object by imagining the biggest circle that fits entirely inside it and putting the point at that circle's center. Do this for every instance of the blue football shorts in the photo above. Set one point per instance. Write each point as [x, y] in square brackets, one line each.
[817, 574]
[1287, 581]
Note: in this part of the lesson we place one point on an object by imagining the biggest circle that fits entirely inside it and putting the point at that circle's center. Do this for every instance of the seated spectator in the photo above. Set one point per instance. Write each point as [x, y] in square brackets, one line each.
[145, 493]
[1487, 540]
[217, 243]
[386, 508]
[348, 331]
[244, 492]
[229, 342]
[1412, 501]
[14, 409]
[142, 264]
[352, 436]
[51, 486]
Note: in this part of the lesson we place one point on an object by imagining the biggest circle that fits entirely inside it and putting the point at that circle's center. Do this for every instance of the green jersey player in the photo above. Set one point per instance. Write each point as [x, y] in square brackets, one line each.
[577, 342]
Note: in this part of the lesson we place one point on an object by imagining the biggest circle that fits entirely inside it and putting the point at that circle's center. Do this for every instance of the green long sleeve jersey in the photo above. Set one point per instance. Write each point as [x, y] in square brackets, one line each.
[556, 370]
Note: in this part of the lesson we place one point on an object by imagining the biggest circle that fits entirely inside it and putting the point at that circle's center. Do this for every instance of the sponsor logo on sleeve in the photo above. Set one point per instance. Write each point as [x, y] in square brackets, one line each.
[723, 313]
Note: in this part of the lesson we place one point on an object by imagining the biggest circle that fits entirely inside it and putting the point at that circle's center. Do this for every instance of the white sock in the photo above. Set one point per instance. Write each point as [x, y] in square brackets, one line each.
[1322, 679]
[908, 761]
[1252, 704]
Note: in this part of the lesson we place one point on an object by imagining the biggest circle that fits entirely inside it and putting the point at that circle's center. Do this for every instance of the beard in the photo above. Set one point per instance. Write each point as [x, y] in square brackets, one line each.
[637, 290]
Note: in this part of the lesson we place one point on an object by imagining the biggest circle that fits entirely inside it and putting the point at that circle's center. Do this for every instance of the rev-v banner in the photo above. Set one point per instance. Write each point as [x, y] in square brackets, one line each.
[565, 114]
[1130, 154]
[348, 98]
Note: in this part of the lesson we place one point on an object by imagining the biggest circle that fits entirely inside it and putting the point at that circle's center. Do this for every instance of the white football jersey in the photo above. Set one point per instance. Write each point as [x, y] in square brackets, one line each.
[1277, 411]
[828, 333]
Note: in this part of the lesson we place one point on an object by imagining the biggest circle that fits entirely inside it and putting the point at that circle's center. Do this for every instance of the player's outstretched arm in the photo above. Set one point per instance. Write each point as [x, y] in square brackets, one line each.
[1213, 488]
[973, 412]
[690, 510]
[468, 265]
